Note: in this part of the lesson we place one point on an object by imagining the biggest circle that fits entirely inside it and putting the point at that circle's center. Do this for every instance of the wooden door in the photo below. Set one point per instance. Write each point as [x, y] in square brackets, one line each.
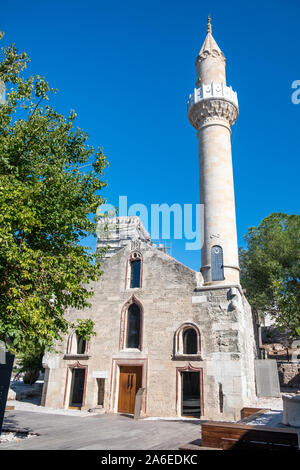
[130, 382]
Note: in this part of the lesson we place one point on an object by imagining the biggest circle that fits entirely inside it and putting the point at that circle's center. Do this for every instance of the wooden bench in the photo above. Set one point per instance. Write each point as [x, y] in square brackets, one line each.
[237, 436]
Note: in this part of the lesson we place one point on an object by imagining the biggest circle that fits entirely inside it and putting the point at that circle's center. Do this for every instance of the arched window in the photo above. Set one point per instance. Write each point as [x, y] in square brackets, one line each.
[135, 278]
[76, 344]
[189, 339]
[134, 271]
[217, 270]
[133, 327]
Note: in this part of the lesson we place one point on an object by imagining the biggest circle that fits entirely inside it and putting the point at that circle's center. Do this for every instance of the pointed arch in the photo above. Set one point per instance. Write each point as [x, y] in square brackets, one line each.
[133, 301]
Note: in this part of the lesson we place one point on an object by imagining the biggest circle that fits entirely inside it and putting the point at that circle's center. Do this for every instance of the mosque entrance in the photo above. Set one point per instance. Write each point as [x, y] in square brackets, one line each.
[191, 403]
[77, 388]
[130, 382]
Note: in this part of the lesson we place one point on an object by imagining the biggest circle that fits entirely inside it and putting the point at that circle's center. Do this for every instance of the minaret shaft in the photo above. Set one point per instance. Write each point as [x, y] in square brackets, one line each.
[217, 196]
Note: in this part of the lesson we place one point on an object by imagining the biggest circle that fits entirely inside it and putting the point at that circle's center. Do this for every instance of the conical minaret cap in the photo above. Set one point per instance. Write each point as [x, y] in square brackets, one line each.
[210, 63]
[210, 47]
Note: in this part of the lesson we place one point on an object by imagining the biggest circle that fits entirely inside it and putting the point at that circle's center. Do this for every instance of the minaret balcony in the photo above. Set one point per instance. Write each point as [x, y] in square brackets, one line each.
[213, 91]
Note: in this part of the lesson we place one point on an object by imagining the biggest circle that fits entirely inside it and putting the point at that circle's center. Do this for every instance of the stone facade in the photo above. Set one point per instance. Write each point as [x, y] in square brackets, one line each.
[171, 296]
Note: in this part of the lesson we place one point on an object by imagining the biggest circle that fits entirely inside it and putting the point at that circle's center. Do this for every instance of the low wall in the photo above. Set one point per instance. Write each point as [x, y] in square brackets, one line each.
[289, 374]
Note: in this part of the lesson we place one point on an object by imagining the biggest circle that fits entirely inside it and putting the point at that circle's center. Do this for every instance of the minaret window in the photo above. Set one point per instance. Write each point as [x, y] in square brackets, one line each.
[133, 327]
[217, 269]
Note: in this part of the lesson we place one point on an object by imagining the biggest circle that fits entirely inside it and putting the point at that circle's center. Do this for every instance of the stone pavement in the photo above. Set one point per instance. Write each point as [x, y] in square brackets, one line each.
[98, 432]
[32, 407]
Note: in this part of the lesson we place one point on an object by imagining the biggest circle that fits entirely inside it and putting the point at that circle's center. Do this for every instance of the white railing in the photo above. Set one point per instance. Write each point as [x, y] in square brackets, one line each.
[213, 90]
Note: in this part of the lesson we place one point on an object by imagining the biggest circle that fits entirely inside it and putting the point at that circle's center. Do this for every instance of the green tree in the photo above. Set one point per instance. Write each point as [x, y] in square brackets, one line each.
[50, 180]
[30, 365]
[270, 269]
[84, 328]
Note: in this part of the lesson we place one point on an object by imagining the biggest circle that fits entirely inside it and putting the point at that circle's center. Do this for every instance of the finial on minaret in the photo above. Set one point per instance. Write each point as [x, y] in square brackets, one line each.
[208, 24]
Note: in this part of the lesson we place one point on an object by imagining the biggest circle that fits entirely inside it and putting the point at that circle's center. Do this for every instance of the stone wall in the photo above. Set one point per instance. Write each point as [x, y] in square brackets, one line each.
[289, 374]
[170, 297]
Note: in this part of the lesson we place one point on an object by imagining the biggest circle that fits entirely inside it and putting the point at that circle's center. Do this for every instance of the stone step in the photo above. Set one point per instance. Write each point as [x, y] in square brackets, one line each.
[97, 410]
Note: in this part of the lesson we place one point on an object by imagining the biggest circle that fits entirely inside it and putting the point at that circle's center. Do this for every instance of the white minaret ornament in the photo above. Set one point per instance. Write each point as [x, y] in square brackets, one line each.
[212, 110]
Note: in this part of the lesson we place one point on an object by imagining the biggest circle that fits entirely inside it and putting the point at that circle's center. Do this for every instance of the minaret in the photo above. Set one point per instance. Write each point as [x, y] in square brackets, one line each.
[212, 110]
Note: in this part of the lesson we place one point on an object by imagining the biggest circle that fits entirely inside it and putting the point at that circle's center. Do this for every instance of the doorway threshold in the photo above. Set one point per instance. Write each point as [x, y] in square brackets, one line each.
[127, 415]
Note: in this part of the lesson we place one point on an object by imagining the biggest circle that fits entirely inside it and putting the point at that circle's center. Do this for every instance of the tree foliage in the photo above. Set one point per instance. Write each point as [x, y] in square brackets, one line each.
[270, 269]
[29, 365]
[46, 204]
[84, 328]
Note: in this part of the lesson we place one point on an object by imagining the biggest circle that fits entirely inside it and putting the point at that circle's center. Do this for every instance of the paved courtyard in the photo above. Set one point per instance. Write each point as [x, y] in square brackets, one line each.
[98, 432]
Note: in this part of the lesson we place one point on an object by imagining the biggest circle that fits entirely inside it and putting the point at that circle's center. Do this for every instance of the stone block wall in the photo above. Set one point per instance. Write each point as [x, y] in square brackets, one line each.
[289, 374]
[170, 297]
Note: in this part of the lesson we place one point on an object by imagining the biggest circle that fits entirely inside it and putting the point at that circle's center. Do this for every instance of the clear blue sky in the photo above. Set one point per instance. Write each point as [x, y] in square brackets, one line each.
[127, 69]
